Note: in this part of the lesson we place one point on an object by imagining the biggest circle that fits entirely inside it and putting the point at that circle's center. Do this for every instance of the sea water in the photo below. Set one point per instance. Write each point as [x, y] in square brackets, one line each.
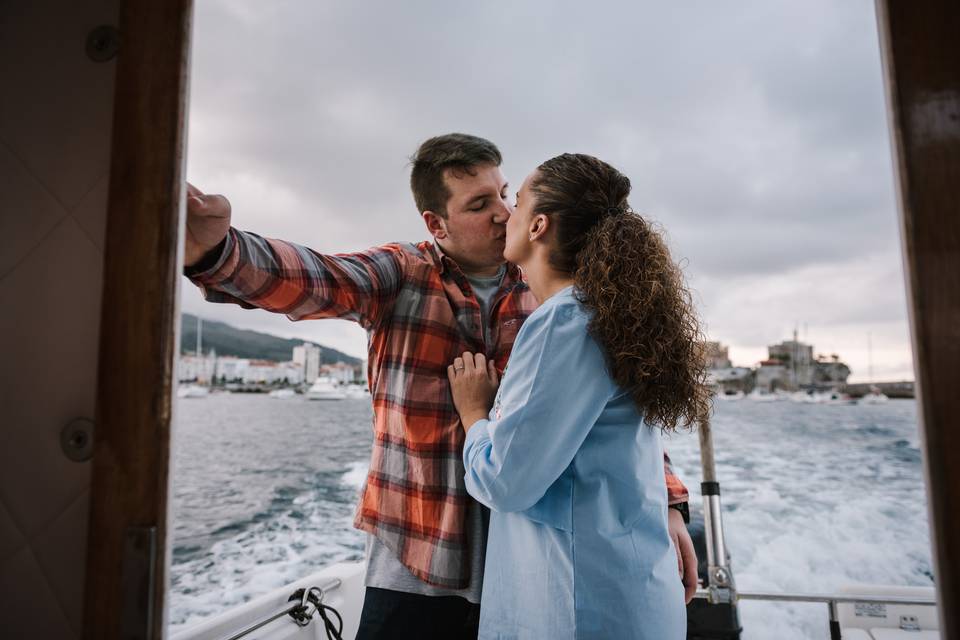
[814, 497]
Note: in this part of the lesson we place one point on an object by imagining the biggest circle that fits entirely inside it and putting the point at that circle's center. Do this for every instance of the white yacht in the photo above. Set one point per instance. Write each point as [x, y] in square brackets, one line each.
[325, 388]
[356, 391]
[837, 397]
[282, 394]
[192, 391]
[730, 397]
[762, 396]
[874, 397]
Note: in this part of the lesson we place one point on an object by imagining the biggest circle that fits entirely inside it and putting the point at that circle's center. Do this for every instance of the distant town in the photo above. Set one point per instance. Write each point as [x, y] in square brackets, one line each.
[791, 366]
[246, 374]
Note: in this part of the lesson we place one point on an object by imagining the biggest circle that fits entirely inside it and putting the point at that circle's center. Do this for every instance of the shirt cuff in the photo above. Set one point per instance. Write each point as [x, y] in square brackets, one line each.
[477, 431]
[684, 510]
[212, 260]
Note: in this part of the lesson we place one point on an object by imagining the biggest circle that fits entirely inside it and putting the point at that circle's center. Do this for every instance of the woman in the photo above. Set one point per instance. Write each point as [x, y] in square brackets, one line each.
[569, 458]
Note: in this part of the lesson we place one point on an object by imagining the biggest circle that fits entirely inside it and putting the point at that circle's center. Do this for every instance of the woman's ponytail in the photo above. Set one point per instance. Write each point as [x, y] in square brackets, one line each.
[643, 314]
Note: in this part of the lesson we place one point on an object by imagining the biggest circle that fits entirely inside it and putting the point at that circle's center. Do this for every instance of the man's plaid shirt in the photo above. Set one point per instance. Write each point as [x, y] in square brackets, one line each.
[420, 313]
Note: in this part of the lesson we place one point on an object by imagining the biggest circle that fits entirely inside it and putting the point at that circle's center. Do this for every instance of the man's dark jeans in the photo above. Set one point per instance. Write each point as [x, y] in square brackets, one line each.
[389, 615]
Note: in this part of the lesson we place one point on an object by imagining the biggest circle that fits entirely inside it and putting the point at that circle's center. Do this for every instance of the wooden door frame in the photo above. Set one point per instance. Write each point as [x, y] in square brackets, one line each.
[921, 57]
[127, 557]
[139, 327]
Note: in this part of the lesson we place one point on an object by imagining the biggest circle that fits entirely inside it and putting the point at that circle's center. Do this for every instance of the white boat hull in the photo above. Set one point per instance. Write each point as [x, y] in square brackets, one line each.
[192, 391]
[325, 395]
[888, 621]
[347, 599]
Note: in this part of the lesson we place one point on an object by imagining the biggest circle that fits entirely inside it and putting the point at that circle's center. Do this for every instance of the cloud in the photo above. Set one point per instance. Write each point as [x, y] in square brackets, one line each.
[755, 135]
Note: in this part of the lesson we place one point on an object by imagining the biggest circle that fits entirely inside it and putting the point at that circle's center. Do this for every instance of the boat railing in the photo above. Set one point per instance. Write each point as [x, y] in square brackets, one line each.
[720, 586]
[716, 596]
[301, 607]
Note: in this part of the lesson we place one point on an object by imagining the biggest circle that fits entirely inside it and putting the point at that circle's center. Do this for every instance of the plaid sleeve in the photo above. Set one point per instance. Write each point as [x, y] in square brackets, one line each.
[287, 278]
[676, 491]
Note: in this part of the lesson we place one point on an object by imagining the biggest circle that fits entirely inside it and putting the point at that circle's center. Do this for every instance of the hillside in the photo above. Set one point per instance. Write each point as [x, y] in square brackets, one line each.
[243, 343]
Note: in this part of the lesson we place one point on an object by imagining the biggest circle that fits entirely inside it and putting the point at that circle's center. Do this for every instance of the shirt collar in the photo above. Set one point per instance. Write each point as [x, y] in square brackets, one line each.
[445, 262]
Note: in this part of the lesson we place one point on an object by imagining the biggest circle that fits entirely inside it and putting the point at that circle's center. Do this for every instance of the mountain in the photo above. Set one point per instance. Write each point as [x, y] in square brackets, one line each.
[243, 343]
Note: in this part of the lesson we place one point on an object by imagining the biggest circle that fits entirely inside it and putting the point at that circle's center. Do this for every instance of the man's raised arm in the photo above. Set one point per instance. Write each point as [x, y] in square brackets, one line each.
[254, 272]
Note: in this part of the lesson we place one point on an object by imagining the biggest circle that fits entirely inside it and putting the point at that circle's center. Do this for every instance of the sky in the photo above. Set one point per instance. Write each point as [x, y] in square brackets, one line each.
[754, 134]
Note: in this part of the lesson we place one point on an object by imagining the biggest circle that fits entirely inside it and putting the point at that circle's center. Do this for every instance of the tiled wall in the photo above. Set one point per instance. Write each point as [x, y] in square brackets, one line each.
[55, 119]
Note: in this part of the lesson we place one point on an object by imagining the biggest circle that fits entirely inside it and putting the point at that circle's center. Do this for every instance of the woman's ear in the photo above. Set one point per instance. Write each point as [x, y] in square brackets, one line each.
[538, 227]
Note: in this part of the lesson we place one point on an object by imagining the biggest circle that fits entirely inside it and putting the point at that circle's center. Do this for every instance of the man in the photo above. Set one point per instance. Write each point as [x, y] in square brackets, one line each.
[422, 305]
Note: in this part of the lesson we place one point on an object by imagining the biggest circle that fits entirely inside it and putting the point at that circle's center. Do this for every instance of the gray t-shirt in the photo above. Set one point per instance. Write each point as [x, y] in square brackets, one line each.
[384, 569]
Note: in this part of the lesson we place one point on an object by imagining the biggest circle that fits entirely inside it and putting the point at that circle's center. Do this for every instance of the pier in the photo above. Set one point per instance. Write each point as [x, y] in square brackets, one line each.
[902, 389]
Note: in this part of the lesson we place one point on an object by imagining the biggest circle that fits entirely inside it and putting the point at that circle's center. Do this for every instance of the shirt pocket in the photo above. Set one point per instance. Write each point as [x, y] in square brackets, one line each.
[504, 339]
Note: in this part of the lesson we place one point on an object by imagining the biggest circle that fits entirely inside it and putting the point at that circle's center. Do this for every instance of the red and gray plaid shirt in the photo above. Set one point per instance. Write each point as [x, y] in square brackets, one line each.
[420, 313]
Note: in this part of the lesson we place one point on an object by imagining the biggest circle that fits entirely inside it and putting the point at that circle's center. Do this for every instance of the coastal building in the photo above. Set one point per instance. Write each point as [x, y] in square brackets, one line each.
[231, 369]
[830, 371]
[307, 356]
[729, 380]
[797, 360]
[717, 355]
[791, 365]
[269, 372]
[340, 372]
[772, 375]
[199, 369]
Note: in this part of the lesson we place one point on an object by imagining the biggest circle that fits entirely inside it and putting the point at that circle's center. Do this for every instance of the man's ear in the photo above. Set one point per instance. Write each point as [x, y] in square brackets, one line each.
[539, 226]
[436, 225]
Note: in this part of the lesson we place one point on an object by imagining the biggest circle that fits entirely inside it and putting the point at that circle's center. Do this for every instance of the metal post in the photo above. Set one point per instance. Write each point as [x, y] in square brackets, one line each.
[834, 621]
[719, 576]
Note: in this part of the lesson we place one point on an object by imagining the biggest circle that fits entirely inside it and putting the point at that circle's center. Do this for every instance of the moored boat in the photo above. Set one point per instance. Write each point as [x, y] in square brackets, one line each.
[324, 388]
[192, 391]
[874, 397]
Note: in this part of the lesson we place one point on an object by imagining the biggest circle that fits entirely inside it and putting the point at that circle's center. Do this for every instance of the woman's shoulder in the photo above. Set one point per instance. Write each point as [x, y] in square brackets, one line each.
[563, 305]
[562, 317]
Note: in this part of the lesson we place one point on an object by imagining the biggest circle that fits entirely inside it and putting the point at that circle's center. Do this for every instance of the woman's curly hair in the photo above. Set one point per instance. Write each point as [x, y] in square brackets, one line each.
[643, 314]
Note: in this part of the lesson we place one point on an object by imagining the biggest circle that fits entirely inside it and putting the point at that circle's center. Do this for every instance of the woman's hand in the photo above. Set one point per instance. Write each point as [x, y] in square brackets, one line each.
[473, 383]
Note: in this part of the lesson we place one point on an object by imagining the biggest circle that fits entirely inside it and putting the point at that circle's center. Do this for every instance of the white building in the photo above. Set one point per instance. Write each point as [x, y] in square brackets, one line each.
[797, 360]
[731, 379]
[717, 355]
[231, 369]
[200, 369]
[307, 357]
[269, 372]
[772, 375]
[340, 372]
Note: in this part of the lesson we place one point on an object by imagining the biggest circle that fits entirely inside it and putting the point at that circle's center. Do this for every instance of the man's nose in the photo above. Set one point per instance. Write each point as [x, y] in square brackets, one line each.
[503, 211]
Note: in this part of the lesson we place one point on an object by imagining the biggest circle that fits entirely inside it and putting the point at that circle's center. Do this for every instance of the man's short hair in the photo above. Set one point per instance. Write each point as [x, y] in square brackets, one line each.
[456, 151]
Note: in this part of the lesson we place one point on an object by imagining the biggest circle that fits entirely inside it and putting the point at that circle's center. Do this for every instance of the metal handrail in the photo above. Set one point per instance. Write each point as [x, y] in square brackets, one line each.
[286, 609]
[711, 595]
[823, 598]
[721, 587]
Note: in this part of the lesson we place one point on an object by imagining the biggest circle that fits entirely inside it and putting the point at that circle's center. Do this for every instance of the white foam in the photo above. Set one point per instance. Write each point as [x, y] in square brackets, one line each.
[814, 497]
[356, 474]
[810, 504]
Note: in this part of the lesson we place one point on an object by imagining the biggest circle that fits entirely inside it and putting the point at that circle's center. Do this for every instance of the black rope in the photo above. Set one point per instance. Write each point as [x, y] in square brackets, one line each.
[302, 615]
[333, 632]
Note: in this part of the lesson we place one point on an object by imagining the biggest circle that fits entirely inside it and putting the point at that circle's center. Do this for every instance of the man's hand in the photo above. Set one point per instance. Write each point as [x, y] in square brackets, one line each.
[208, 220]
[686, 554]
[473, 384]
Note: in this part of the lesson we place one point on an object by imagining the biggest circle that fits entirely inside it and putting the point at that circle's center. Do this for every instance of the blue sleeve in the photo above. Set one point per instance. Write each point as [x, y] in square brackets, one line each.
[553, 391]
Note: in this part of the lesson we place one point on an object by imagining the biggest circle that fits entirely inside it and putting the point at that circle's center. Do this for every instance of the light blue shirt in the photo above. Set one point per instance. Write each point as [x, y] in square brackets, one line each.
[578, 545]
